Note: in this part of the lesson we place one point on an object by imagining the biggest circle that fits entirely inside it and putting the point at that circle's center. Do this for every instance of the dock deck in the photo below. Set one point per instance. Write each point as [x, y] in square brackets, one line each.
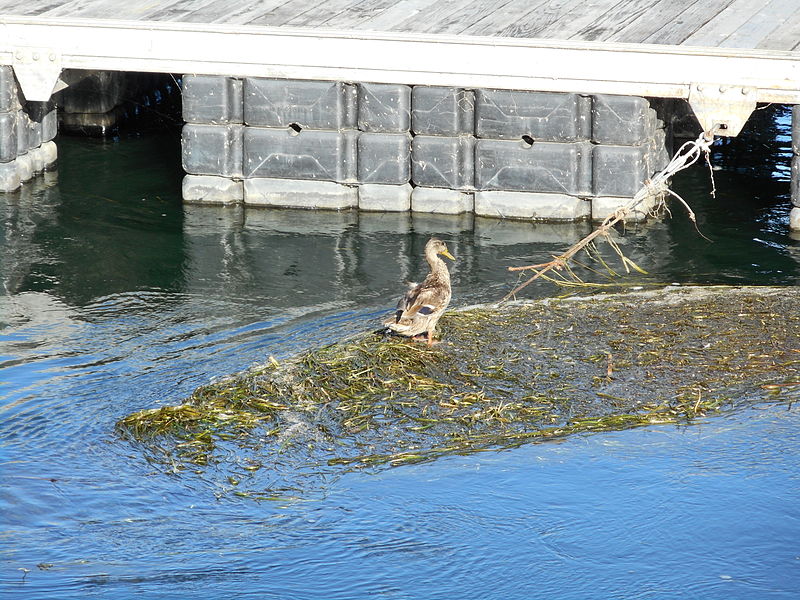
[746, 24]
[635, 47]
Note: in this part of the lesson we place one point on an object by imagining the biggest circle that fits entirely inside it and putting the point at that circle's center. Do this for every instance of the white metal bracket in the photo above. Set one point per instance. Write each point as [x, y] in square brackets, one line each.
[38, 70]
[722, 109]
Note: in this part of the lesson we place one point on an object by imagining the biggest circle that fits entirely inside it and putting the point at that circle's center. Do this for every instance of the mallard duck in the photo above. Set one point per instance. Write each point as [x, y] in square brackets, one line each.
[420, 308]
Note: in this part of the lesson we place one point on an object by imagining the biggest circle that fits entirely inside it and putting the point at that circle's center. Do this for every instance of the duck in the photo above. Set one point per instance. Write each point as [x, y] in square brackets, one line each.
[421, 307]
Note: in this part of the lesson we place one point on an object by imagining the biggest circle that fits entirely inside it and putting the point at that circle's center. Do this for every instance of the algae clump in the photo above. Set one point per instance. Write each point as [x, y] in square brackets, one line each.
[502, 376]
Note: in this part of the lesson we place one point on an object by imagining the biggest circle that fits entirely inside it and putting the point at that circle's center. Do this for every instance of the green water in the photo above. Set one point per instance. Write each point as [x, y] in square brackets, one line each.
[118, 298]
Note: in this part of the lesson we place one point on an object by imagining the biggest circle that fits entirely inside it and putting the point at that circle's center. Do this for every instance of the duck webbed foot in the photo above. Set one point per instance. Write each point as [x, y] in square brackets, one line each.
[425, 337]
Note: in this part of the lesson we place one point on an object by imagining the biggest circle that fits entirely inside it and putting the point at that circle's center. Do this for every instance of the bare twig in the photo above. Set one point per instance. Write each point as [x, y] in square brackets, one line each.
[687, 155]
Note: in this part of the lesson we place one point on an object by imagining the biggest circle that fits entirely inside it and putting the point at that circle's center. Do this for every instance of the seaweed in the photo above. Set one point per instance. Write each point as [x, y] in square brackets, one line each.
[502, 376]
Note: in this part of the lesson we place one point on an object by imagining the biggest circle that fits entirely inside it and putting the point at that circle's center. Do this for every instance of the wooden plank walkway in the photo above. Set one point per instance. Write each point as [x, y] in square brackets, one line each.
[639, 47]
[747, 24]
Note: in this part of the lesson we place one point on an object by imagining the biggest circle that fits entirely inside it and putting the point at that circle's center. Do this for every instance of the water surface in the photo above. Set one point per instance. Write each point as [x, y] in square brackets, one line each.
[117, 298]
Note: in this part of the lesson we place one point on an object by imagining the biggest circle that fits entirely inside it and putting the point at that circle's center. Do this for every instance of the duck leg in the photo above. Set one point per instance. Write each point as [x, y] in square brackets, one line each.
[426, 337]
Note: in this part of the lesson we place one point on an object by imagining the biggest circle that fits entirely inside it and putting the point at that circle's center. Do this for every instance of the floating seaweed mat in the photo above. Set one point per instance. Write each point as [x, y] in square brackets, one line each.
[501, 376]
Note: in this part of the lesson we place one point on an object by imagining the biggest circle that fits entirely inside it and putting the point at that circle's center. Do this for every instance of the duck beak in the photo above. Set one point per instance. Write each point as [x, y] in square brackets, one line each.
[447, 254]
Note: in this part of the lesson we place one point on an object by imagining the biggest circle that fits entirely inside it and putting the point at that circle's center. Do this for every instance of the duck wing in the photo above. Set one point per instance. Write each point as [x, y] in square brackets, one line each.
[425, 299]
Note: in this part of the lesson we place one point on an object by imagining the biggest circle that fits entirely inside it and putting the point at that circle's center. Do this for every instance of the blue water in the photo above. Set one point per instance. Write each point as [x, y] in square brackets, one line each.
[705, 512]
[117, 298]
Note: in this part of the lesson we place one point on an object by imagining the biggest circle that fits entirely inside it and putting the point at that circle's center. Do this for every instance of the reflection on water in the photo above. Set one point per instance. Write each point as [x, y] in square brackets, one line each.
[117, 298]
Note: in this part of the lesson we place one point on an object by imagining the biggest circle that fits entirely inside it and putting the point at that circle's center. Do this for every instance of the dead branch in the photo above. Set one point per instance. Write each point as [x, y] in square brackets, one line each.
[688, 154]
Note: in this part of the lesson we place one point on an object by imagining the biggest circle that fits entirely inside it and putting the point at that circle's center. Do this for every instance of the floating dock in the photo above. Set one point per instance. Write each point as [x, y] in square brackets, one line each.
[504, 64]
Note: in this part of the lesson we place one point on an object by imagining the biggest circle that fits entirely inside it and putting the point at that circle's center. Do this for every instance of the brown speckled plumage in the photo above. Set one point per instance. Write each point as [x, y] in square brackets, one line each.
[420, 308]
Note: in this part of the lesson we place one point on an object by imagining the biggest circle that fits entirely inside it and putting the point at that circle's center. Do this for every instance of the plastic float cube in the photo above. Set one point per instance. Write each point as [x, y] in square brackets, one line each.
[23, 128]
[531, 206]
[384, 158]
[212, 149]
[308, 154]
[25, 166]
[384, 198]
[445, 162]
[293, 193]
[546, 167]
[212, 100]
[8, 136]
[620, 170]
[384, 108]
[536, 116]
[35, 137]
[44, 114]
[622, 120]
[605, 206]
[441, 201]
[9, 94]
[212, 189]
[299, 104]
[442, 111]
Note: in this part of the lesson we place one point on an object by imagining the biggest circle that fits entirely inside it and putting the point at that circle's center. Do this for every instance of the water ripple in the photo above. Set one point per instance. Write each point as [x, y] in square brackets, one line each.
[119, 300]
